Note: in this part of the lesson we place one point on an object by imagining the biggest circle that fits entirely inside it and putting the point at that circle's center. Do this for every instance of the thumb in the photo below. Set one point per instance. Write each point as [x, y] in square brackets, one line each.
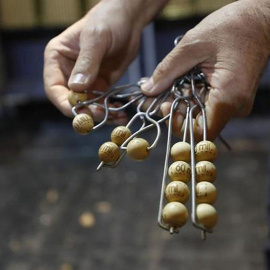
[93, 46]
[187, 54]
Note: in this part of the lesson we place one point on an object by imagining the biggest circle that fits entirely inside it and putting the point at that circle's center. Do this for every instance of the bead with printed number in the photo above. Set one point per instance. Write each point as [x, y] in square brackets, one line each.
[120, 134]
[206, 171]
[206, 215]
[175, 214]
[205, 150]
[75, 97]
[206, 192]
[138, 149]
[109, 152]
[180, 171]
[181, 151]
[83, 123]
[177, 191]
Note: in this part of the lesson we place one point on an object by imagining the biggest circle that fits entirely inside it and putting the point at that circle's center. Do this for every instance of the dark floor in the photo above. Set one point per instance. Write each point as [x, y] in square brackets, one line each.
[57, 212]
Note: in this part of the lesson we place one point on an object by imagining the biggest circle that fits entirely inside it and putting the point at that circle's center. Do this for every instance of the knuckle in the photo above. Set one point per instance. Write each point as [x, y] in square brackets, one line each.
[98, 33]
[50, 46]
[83, 61]
[163, 67]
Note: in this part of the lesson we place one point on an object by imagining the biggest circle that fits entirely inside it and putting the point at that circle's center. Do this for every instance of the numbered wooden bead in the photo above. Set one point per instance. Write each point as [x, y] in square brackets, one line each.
[83, 123]
[206, 215]
[74, 97]
[177, 191]
[138, 149]
[206, 171]
[175, 214]
[109, 152]
[120, 134]
[205, 150]
[181, 151]
[206, 192]
[180, 171]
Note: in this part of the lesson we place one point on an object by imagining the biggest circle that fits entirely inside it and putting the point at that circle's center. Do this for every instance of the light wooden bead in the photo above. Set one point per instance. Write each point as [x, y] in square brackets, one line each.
[206, 215]
[83, 123]
[138, 149]
[175, 214]
[180, 171]
[74, 97]
[206, 171]
[181, 151]
[120, 134]
[109, 152]
[205, 150]
[177, 191]
[206, 192]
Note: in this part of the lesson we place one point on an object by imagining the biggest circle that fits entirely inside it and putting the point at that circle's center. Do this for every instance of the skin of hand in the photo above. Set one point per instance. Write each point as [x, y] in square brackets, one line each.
[94, 52]
[231, 47]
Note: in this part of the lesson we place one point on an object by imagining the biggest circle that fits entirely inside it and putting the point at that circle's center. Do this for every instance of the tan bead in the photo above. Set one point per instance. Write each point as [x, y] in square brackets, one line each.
[206, 192]
[109, 152]
[181, 151]
[206, 171]
[177, 191]
[180, 171]
[74, 97]
[138, 149]
[83, 123]
[120, 134]
[206, 215]
[205, 150]
[175, 214]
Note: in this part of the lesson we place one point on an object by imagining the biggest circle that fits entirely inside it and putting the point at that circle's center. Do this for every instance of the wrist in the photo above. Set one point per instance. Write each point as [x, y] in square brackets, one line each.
[141, 12]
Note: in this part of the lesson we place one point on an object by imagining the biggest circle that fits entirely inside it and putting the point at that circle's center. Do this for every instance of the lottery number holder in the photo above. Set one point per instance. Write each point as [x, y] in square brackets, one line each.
[185, 162]
[189, 162]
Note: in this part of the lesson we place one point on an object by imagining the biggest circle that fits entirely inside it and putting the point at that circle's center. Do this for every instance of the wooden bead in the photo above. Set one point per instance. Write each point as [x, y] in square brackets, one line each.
[177, 191]
[120, 134]
[180, 171]
[74, 97]
[205, 150]
[206, 215]
[138, 149]
[206, 192]
[109, 152]
[175, 214]
[83, 123]
[206, 171]
[181, 151]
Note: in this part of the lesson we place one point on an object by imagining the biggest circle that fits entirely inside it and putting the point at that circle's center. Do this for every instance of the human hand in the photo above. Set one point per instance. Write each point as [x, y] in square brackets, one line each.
[93, 53]
[231, 47]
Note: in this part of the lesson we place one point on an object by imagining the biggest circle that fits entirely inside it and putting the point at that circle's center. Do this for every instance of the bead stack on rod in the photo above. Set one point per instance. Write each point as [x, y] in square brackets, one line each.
[185, 162]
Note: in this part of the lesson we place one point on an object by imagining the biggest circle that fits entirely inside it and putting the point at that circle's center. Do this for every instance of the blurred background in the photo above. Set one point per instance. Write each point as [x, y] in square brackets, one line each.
[57, 212]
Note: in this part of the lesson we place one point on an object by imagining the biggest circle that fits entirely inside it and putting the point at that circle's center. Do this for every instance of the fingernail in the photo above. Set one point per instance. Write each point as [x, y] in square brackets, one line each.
[180, 118]
[148, 85]
[200, 122]
[79, 79]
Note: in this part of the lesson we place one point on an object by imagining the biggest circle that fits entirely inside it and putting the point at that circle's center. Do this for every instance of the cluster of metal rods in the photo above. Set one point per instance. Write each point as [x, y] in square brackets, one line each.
[191, 90]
